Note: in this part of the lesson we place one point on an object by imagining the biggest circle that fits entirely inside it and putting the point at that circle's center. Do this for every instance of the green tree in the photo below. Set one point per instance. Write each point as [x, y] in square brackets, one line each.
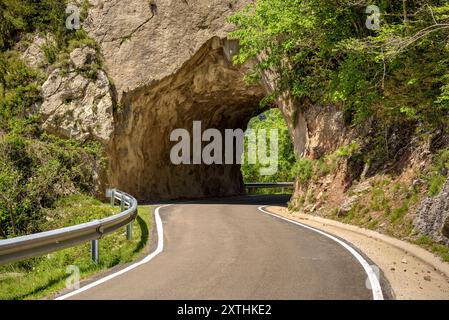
[322, 51]
[271, 119]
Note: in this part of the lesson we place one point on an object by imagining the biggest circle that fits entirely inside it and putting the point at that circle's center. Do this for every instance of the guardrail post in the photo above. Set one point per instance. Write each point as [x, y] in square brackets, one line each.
[94, 250]
[112, 197]
[110, 193]
[129, 231]
[129, 226]
[122, 203]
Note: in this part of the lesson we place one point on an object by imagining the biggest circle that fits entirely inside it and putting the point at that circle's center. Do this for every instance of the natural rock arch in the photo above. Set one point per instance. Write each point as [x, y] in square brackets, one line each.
[168, 71]
[207, 88]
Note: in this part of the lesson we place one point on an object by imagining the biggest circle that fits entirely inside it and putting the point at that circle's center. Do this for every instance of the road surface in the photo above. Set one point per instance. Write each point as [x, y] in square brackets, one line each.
[229, 249]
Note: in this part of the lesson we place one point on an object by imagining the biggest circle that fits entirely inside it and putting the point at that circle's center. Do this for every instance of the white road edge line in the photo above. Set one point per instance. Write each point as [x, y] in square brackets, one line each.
[374, 281]
[159, 249]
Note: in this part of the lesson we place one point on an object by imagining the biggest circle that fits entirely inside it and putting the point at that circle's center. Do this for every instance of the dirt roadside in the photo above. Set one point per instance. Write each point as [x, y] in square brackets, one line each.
[413, 273]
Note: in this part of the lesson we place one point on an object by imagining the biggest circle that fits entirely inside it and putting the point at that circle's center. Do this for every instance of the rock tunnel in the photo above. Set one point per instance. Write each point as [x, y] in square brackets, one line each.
[207, 88]
[166, 71]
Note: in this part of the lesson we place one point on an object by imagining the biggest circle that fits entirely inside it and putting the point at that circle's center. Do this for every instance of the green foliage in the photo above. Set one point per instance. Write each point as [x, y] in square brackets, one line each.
[19, 87]
[18, 16]
[379, 201]
[291, 168]
[322, 51]
[13, 19]
[438, 173]
[306, 169]
[51, 52]
[424, 240]
[37, 171]
[303, 170]
[273, 120]
[38, 277]
[398, 213]
[348, 150]
[436, 184]
[441, 250]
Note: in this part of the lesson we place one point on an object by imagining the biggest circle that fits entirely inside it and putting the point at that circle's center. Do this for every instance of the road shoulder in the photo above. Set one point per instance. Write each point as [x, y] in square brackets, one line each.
[412, 272]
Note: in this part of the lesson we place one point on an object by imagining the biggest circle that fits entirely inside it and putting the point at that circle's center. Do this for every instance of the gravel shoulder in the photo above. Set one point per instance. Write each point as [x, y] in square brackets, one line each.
[413, 273]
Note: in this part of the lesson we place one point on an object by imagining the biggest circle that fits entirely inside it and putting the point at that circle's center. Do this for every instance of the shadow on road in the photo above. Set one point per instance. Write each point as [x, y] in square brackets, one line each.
[279, 200]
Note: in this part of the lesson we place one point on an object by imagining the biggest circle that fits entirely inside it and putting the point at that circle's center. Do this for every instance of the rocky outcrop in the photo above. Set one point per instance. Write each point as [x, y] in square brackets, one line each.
[34, 54]
[82, 57]
[208, 88]
[75, 105]
[432, 218]
[293, 113]
[326, 130]
[140, 46]
[170, 66]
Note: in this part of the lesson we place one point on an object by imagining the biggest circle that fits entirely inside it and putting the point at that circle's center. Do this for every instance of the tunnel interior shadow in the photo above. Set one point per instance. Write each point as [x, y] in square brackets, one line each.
[278, 200]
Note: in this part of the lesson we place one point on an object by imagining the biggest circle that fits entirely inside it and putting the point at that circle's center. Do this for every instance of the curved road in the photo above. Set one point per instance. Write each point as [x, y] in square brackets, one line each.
[228, 249]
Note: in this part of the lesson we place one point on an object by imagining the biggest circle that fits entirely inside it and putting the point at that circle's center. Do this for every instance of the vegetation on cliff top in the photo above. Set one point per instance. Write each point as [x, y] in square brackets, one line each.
[323, 52]
[391, 81]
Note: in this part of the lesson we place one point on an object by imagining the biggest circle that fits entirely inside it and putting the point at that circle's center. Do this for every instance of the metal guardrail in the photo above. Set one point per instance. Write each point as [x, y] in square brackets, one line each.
[19, 248]
[261, 185]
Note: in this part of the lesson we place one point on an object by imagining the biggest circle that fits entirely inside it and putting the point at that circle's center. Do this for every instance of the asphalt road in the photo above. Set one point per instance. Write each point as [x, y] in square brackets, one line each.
[228, 249]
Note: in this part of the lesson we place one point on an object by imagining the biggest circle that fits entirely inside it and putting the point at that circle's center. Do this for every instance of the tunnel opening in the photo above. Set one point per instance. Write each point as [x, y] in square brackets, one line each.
[208, 89]
[269, 120]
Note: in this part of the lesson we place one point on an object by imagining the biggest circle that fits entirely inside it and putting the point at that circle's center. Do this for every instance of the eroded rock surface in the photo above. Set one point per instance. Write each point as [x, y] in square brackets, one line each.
[170, 66]
[34, 54]
[77, 106]
[208, 88]
[140, 47]
[433, 216]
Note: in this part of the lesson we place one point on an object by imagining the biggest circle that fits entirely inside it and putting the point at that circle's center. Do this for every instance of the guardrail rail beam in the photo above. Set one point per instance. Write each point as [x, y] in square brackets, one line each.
[33, 245]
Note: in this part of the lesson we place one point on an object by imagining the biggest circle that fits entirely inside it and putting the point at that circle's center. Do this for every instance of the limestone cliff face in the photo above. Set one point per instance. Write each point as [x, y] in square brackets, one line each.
[77, 101]
[388, 196]
[77, 107]
[208, 89]
[170, 66]
[141, 46]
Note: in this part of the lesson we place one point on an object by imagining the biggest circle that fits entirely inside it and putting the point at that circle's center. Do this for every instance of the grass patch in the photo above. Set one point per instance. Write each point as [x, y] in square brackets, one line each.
[438, 172]
[442, 251]
[37, 277]
[439, 249]
[398, 213]
[269, 191]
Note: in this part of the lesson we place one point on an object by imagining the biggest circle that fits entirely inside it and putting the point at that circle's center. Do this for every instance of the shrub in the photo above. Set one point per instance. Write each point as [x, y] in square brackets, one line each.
[438, 173]
[303, 170]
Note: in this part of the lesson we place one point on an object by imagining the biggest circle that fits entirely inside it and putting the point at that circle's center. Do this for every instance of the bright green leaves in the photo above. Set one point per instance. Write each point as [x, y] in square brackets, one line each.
[322, 50]
[273, 120]
[36, 173]
[303, 170]
[19, 88]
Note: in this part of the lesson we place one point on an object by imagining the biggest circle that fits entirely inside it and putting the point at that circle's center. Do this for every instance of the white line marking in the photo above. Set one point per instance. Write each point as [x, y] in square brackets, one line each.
[159, 249]
[375, 285]
[372, 277]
